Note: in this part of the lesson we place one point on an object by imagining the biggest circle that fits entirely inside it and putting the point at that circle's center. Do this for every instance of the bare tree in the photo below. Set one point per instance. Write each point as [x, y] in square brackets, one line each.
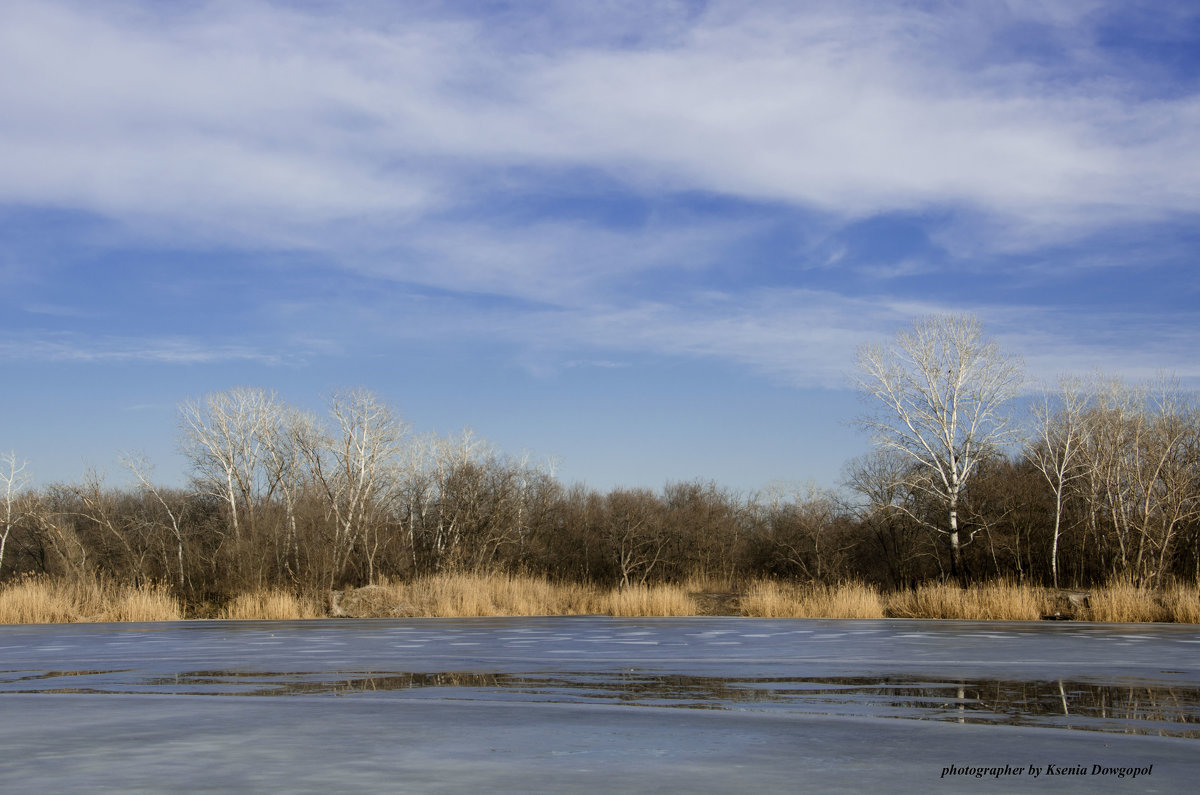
[223, 436]
[352, 467]
[12, 479]
[1057, 452]
[1140, 456]
[54, 517]
[943, 389]
[883, 480]
[141, 469]
[1164, 478]
[634, 531]
[121, 544]
[445, 470]
[287, 435]
[803, 527]
[1107, 434]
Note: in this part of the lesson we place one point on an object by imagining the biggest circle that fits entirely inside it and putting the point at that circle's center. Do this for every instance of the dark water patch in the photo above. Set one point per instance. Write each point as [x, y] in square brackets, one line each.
[1131, 707]
[23, 676]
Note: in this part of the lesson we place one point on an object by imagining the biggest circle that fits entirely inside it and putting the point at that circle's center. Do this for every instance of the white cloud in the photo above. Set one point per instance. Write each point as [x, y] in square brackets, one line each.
[806, 338]
[57, 310]
[89, 349]
[277, 124]
[1133, 345]
[370, 135]
[560, 262]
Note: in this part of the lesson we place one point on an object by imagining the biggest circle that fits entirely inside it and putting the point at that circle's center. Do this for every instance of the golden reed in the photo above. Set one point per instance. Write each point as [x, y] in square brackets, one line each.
[33, 600]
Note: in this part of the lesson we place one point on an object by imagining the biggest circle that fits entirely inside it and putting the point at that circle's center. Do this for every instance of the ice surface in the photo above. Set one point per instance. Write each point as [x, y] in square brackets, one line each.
[592, 703]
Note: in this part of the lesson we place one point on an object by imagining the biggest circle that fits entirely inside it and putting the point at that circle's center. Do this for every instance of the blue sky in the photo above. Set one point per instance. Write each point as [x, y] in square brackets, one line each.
[643, 238]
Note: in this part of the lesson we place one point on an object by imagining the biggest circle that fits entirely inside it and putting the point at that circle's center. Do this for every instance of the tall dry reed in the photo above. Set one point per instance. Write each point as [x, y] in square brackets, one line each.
[1123, 602]
[44, 600]
[488, 595]
[39, 600]
[141, 603]
[993, 601]
[36, 601]
[468, 595]
[649, 600]
[271, 605]
[1181, 604]
[771, 599]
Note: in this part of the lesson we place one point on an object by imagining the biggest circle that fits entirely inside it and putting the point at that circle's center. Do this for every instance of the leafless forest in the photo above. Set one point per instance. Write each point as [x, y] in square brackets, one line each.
[1093, 482]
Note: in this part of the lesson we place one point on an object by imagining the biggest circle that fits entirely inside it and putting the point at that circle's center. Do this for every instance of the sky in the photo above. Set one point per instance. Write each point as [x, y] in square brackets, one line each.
[639, 238]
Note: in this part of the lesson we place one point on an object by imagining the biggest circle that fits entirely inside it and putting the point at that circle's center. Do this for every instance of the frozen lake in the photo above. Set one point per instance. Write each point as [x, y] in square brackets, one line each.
[591, 703]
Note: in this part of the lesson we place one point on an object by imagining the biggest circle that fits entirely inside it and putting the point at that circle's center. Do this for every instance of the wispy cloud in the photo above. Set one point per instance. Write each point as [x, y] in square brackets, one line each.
[63, 347]
[405, 142]
[56, 310]
[1133, 345]
[278, 124]
[805, 338]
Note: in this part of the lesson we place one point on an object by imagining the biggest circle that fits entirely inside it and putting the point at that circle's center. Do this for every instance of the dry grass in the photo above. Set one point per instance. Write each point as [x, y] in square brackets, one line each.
[1181, 604]
[649, 600]
[42, 600]
[35, 600]
[1122, 601]
[771, 599]
[271, 605]
[998, 601]
[489, 595]
[145, 603]
[30, 601]
[467, 595]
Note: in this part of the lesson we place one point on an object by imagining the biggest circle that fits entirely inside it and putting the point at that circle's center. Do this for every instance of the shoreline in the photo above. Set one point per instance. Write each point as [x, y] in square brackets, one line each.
[54, 601]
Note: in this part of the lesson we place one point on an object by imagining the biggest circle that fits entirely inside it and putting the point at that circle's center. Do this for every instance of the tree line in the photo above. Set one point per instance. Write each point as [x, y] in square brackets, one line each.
[1101, 481]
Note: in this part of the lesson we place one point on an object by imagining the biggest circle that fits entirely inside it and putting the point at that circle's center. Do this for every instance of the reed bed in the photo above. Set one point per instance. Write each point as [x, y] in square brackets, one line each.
[145, 603]
[34, 600]
[37, 600]
[271, 605]
[489, 595]
[771, 599]
[515, 595]
[1128, 603]
[649, 600]
[31, 601]
[1181, 604]
[1124, 602]
[995, 601]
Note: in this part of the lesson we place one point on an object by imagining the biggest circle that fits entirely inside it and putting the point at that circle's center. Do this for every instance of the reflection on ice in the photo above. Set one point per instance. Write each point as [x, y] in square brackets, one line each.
[1154, 709]
[1101, 678]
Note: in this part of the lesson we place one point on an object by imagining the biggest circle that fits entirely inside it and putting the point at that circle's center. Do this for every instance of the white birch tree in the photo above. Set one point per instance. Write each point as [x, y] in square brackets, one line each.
[223, 437]
[141, 469]
[353, 466]
[12, 479]
[1057, 452]
[941, 390]
[290, 433]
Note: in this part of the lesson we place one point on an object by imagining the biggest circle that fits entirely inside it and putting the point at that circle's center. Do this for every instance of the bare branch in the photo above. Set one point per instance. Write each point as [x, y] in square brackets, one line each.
[941, 390]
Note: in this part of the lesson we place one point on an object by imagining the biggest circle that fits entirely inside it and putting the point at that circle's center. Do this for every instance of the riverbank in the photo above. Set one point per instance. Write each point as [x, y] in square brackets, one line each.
[42, 600]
